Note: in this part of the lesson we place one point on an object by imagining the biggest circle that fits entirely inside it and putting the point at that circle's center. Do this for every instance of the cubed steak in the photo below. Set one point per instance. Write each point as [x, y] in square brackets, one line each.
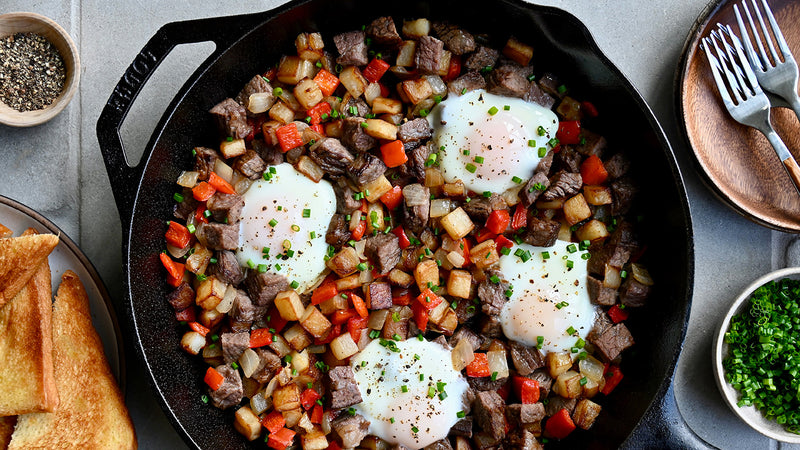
[263, 287]
[352, 48]
[331, 156]
[231, 119]
[343, 387]
[230, 393]
[226, 208]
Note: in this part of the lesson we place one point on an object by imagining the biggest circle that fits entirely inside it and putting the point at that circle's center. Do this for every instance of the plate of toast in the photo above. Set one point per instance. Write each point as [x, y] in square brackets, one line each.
[61, 357]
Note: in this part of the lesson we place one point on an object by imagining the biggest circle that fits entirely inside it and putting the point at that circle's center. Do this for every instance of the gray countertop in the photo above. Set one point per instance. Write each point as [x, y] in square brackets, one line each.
[61, 160]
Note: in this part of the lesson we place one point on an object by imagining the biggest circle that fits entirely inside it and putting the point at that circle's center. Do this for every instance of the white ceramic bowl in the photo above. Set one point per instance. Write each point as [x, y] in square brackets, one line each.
[749, 414]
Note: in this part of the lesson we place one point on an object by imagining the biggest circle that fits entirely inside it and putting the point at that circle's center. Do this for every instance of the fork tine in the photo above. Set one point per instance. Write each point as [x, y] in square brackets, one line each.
[752, 56]
[753, 86]
[715, 71]
[734, 85]
[765, 31]
[763, 60]
[776, 31]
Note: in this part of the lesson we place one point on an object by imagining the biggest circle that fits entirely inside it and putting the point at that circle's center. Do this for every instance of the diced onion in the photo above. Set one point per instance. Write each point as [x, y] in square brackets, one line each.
[372, 92]
[316, 349]
[177, 252]
[456, 259]
[439, 87]
[227, 300]
[591, 368]
[326, 422]
[612, 277]
[188, 179]
[192, 342]
[377, 318]
[212, 352]
[260, 102]
[498, 363]
[440, 207]
[248, 362]
[243, 185]
[365, 276]
[359, 247]
[223, 170]
[462, 355]
[305, 423]
[258, 403]
[641, 274]
[511, 195]
[416, 195]
[355, 219]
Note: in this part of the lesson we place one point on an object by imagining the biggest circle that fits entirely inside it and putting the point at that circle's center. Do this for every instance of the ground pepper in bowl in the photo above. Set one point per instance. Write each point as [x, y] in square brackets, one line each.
[32, 72]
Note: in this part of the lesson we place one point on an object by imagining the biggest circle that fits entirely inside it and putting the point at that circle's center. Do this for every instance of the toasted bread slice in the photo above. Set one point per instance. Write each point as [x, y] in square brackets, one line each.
[5, 232]
[6, 428]
[92, 412]
[27, 383]
[19, 259]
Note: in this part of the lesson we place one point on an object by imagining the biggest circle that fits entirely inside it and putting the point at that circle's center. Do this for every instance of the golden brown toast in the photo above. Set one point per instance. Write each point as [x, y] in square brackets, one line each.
[92, 412]
[5, 232]
[27, 383]
[19, 259]
[6, 428]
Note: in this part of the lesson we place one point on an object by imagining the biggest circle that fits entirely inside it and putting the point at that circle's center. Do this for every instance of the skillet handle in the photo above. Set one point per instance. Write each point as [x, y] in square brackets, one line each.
[123, 175]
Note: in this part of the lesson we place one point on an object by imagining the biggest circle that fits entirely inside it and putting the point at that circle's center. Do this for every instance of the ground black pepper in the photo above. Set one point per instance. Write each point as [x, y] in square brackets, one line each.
[32, 71]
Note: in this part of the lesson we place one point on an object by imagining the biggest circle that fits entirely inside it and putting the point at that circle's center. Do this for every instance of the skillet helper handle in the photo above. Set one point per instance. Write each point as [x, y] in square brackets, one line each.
[123, 175]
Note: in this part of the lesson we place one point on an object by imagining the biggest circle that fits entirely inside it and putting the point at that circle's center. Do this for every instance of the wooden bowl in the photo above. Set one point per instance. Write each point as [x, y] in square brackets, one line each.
[749, 414]
[25, 22]
[735, 161]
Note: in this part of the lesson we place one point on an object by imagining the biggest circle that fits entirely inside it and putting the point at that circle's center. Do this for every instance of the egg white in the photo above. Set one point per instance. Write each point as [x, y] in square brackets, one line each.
[548, 297]
[381, 374]
[283, 198]
[463, 124]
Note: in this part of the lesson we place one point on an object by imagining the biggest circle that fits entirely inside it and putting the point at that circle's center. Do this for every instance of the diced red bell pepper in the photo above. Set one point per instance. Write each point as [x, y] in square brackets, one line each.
[273, 421]
[359, 305]
[613, 376]
[617, 314]
[186, 315]
[384, 90]
[260, 337]
[332, 445]
[274, 319]
[317, 111]
[560, 425]
[341, 316]
[503, 242]
[199, 214]
[454, 69]
[429, 299]
[203, 191]
[220, 184]
[361, 228]
[270, 74]
[465, 245]
[326, 81]
[593, 171]
[392, 198]
[318, 128]
[177, 235]
[527, 390]
[213, 378]
[309, 398]
[498, 221]
[520, 218]
[176, 281]
[569, 132]
[503, 392]
[288, 137]
[199, 328]
[324, 292]
[355, 325]
[479, 367]
[394, 153]
[589, 109]
[173, 268]
[401, 233]
[402, 300]
[421, 315]
[375, 70]
[280, 439]
[484, 235]
[316, 414]
[335, 331]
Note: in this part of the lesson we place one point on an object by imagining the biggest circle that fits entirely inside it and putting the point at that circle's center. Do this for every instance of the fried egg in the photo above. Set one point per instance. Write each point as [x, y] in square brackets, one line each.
[490, 142]
[549, 297]
[283, 225]
[412, 395]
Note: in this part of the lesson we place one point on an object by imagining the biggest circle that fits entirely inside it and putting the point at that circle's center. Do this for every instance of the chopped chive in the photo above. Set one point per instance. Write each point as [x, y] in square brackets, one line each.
[461, 414]
[404, 388]
[516, 179]
[262, 268]
[542, 152]
[465, 152]
[273, 222]
[251, 264]
[479, 159]
[295, 227]
[294, 284]
[471, 168]
[312, 234]
[571, 330]
[277, 91]
[191, 228]
[531, 143]
[506, 107]
[306, 213]
[463, 91]
[177, 197]
[494, 376]
[493, 110]
[541, 131]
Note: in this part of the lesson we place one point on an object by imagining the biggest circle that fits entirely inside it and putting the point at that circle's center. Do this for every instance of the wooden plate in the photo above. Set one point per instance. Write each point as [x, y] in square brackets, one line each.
[736, 161]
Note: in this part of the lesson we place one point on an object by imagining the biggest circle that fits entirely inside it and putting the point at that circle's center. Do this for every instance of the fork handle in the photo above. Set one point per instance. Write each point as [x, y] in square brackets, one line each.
[789, 163]
[794, 171]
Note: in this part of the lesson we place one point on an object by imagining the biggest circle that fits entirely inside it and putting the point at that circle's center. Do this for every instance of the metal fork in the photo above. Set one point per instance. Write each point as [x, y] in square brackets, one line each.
[751, 106]
[776, 76]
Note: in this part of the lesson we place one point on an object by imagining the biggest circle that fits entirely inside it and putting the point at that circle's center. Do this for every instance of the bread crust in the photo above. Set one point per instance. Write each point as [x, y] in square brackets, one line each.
[19, 259]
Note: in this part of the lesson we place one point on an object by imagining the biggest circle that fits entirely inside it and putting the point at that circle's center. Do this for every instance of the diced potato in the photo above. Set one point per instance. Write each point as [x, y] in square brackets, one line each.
[315, 322]
[597, 195]
[268, 130]
[347, 283]
[377, 188]
[456, 258]
[309, 168]
[462, 354]
[247, 423]
[286, 398]
[210, 293]
[415, 29]
[297, 337]
[232, 148]
[300, 360]
[564, 231]
[457, 223]
[309, 46]
[380, 129]
[210, 318]
[197, 262]
[590, 388]
[333, 128]
[281, 113]
[289, 305]
[336, 302]
[459, 283]
[552, 204]
[345, 262]
[518, 52]
[279, 345]
[498, 363]
[568, 384]
[447, 325]
[383, 105]
[484, 254]
[375, 218]
[192, 342]
[293, 69]
[307, 93]
[400, 278]
[592, 230]
[444, 63]
[558, 363]
[426, 274]
[371, 93]
[586, 411]
[570, 109]
[612, 278]
[433, 177]
[454, 189]
[416, 90]
[407, 53]
[343, 346]
[353, 81]
[576, 209]
[315, 440]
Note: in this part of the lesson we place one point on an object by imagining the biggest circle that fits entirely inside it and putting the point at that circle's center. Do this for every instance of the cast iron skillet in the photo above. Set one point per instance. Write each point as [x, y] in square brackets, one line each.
[247, 45]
